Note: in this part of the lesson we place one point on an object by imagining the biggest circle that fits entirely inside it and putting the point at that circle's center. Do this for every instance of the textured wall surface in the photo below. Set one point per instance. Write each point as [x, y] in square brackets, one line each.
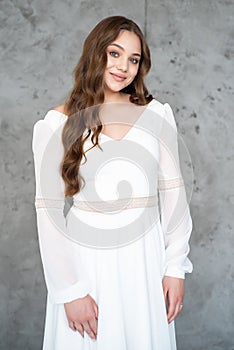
[191, 44]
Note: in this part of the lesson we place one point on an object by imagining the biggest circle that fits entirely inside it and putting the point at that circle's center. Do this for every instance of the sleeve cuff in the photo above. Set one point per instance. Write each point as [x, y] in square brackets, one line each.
[175, 273]
[172, 271]
[77, 290]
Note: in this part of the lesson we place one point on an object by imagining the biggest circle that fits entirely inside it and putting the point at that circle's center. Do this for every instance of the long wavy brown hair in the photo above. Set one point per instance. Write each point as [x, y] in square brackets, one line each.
[88, 91]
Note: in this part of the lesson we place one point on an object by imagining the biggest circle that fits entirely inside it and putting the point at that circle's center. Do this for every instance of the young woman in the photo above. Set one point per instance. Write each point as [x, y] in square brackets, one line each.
[115, 265]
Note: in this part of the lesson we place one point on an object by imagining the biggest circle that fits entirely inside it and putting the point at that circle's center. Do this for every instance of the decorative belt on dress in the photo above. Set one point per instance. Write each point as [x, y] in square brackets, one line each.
[116, 204]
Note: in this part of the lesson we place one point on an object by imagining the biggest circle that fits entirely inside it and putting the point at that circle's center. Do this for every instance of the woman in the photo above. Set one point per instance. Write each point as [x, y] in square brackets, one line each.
[115, 265]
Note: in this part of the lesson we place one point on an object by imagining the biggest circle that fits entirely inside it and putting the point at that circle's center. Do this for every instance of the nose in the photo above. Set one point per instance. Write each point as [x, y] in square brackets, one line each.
[122, 64]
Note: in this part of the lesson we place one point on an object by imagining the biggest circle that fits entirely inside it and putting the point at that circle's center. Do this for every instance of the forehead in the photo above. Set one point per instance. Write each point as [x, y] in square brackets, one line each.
[129, 41]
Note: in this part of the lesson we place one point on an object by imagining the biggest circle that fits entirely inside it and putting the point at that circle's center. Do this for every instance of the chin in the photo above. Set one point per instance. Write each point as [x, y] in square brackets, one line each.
[115, 88]
[118, 88]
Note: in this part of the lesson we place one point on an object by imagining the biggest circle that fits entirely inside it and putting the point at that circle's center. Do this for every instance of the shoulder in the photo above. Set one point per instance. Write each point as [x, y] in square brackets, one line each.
[49, 126]
[53, 118]
[53, 122]
[156, 106]
[56, 115]
[164, 110]
[59, 108]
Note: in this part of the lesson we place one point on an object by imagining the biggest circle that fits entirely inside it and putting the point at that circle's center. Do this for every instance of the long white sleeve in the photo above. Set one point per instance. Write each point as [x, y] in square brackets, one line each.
[175, 215]
[58, 253]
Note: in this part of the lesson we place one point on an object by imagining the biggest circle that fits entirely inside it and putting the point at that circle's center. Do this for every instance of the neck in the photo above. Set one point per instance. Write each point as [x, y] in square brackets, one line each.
[115, 97]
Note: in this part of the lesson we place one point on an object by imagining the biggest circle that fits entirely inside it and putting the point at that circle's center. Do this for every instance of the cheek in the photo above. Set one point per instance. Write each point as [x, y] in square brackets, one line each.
[110, 62]
[134, 69]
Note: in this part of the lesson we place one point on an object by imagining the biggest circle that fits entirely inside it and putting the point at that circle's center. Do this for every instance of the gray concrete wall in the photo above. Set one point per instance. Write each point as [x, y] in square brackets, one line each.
[192, 44]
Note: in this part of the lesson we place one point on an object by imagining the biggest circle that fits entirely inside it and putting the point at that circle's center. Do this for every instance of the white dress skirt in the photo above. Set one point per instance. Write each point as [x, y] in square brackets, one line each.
[128, 227]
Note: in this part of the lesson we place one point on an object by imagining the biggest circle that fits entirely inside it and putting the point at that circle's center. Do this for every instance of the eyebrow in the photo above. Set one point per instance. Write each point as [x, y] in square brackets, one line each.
[120, 47]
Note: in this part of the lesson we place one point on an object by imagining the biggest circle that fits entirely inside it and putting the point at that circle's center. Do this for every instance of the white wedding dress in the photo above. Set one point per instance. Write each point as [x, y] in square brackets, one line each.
[118, 257]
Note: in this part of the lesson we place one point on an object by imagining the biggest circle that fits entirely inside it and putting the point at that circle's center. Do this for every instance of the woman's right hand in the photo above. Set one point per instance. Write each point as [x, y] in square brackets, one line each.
[82, 315]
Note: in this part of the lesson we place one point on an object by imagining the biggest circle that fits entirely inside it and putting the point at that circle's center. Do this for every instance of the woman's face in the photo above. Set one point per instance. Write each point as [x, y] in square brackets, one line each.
[123, 57]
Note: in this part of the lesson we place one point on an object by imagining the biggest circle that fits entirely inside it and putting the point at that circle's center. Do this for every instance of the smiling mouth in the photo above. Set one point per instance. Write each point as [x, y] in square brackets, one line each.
[118, 77]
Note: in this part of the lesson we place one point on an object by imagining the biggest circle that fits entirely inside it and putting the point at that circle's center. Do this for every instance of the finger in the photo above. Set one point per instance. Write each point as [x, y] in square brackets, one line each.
[165, 293]
[79, 328]
[72, 326]
[171, 310]
[177, 311]
[96, 310]
[93, 325]
[88, 330]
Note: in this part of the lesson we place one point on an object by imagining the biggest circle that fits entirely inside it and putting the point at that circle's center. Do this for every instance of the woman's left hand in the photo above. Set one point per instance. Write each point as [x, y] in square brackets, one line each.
[173, 290]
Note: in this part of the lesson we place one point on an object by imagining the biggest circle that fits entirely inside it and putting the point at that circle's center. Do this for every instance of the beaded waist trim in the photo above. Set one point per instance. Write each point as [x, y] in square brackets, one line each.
[117, 204]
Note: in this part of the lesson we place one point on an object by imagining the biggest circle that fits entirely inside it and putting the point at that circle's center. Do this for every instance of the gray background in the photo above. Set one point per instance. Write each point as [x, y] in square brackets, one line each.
[191, 44]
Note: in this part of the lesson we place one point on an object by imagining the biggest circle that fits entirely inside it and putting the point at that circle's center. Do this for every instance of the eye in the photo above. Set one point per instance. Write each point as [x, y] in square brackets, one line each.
[134, 60]
[114, 53]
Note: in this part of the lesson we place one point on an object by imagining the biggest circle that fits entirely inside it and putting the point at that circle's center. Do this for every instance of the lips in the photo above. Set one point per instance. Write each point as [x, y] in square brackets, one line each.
[118, 77]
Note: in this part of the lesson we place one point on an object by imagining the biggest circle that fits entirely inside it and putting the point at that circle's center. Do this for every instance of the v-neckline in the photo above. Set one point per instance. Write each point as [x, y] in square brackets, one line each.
[127, 133]
[130, 129]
